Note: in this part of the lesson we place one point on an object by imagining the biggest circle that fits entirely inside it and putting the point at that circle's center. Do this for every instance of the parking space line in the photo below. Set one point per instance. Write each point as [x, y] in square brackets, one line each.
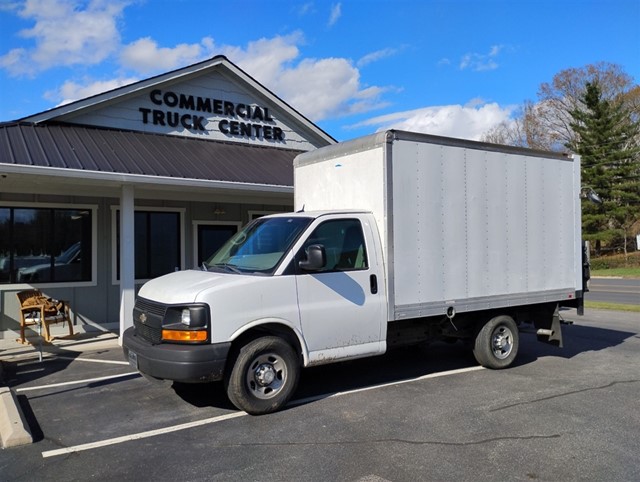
[140, 435]
[302, 401]
[222, 418]
[49, 358]
[28, 372]
[92, 360]
[76, 382]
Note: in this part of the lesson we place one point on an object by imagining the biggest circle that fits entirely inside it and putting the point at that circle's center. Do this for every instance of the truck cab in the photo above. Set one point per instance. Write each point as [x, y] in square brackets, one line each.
[287, 291]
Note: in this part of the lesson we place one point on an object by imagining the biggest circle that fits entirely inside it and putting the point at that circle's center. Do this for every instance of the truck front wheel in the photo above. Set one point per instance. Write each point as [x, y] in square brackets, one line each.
[264, 376]
[496, 344]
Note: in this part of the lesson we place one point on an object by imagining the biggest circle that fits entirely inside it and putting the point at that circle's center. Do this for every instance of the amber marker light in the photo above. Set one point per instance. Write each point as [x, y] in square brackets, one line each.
[184, 335]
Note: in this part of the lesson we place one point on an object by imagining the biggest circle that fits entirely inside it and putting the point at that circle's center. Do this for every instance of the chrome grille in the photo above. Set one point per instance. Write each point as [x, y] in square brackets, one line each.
[149, 333]
[150, 307]
[147, 320]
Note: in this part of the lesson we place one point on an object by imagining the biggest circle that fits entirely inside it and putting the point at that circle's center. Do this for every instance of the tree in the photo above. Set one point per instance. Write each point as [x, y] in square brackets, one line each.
[546, 124]
[604, 134]
[521, 131]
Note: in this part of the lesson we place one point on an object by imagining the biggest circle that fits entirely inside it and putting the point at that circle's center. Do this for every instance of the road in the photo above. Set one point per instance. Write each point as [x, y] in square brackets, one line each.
[613, 290]
[566, 414]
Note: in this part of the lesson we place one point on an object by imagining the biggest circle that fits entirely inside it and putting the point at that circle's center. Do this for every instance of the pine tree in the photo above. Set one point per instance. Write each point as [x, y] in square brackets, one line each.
[606, 137]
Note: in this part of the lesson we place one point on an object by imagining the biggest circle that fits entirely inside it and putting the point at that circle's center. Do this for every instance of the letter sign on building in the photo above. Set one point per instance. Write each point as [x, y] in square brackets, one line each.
[240, 119]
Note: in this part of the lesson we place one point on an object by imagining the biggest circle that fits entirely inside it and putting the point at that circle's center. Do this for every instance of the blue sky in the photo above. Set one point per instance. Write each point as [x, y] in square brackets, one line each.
[442, 67]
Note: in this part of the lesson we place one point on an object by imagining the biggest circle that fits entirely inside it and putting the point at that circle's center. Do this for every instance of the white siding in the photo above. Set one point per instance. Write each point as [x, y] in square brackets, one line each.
[127, 115]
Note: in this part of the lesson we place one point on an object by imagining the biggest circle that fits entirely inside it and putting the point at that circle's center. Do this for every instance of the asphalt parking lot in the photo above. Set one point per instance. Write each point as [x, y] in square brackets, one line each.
[558, 414]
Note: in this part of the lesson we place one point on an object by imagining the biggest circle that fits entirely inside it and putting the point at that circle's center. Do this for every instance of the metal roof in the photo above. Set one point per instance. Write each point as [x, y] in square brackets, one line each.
[79, 148]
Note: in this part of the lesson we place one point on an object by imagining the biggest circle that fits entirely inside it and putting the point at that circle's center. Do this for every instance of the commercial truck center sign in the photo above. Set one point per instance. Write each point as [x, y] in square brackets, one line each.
[241, 120]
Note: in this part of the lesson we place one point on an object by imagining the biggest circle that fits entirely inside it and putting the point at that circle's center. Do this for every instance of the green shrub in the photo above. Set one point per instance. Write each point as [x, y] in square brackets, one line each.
[616, 261]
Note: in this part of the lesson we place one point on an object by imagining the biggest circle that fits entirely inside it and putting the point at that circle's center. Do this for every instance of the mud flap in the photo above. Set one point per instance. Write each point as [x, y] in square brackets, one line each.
[551, 334]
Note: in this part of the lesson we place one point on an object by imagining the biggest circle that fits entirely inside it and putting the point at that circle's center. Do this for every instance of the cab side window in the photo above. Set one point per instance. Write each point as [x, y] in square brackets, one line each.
[344, 244]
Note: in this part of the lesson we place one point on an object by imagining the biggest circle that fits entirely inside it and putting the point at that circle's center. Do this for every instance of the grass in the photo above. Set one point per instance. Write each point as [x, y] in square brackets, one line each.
[617, 272]
[617, 265]
[601, 305]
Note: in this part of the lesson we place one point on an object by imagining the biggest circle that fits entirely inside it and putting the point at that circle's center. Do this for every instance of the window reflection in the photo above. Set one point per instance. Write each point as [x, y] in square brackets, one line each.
[41, 245]
[157, 243]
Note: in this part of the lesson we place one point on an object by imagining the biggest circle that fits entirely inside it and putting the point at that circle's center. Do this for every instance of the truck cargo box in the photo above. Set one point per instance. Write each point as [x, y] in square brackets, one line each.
[464, 224]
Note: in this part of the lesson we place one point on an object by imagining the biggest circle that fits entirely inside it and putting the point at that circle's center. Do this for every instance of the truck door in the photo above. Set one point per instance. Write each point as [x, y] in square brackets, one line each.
[342, 306]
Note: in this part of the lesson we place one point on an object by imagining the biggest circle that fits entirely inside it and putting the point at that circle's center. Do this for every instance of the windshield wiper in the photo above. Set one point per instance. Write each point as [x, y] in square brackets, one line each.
[228, 267]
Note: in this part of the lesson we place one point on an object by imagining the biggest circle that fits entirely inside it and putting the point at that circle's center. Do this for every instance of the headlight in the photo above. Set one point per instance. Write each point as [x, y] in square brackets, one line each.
[186, 324]
[186, 317]
[193, 316]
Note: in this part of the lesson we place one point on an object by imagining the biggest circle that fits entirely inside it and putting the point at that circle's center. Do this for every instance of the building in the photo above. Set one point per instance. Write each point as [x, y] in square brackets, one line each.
[99, 195]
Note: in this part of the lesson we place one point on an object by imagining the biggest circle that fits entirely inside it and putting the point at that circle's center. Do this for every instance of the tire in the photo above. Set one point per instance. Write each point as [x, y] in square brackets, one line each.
[264, 376]
[496, 344]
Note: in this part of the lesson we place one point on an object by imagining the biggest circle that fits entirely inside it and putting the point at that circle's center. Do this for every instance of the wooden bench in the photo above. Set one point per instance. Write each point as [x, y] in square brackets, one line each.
[38, 309]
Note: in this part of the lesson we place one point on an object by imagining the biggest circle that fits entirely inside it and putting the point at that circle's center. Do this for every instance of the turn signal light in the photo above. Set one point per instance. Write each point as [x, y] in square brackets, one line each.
[184, 335]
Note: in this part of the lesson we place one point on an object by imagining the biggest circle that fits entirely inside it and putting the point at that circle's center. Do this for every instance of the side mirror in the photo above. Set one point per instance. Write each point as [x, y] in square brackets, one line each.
[316, 258]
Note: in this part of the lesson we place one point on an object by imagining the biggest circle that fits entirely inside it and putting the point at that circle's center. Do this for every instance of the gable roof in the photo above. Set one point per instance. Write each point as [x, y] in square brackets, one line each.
[219, 62]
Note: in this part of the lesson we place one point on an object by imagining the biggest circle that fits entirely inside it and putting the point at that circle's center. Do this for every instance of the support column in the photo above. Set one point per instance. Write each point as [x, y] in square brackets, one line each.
[127, 258]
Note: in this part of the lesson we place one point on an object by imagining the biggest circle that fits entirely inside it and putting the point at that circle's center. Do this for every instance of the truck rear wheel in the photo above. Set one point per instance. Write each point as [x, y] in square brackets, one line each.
[264, 376]
[496, 344]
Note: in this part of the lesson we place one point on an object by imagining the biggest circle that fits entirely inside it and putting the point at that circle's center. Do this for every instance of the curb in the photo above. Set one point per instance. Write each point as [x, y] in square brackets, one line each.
[14, 429]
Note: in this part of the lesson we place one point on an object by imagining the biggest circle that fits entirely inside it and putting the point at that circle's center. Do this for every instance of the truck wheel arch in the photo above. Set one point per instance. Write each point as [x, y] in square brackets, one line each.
[263, 376]
[277, 328]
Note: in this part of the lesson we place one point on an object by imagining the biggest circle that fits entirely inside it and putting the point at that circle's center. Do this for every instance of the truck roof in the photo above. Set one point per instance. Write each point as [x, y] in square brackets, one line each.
[389, 136]
[317, 214]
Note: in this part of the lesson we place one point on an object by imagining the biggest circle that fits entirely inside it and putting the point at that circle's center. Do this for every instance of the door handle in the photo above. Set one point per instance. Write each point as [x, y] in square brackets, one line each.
[373, 282]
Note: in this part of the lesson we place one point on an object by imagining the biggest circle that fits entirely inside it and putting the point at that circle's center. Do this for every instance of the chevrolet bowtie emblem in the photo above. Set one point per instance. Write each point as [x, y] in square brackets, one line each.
[143, 318]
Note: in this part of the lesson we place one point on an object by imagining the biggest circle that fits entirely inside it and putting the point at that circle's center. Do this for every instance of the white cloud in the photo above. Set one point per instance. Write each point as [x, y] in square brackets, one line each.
[481, 62]
[336, 13]
[375, 56]
[65, 34]
[85, 32]
[266, 59]
[470, 121]
[71, 91]
[305, 9]
[319, 88]
[324, 88]
[145, 56]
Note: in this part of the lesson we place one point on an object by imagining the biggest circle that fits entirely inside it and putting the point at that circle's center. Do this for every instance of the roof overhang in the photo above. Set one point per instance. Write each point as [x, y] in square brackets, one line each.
[52, 174]
[42, 155]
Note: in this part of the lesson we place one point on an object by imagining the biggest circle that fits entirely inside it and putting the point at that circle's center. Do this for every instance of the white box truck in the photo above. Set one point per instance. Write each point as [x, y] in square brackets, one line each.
[398, 239]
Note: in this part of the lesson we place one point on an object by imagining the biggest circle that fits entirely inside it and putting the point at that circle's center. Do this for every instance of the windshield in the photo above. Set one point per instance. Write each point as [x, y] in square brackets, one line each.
[259, 246]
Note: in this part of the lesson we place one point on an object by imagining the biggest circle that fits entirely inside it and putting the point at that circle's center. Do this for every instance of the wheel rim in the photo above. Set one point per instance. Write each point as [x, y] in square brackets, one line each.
[266, 376]
[502, 342]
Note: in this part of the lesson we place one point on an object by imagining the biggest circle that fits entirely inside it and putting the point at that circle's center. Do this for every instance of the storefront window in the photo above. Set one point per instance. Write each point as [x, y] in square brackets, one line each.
[45, 245]
[157, 243]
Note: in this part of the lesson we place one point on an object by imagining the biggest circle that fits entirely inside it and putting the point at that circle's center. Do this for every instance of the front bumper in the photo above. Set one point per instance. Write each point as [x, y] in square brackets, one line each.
[180, 363]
